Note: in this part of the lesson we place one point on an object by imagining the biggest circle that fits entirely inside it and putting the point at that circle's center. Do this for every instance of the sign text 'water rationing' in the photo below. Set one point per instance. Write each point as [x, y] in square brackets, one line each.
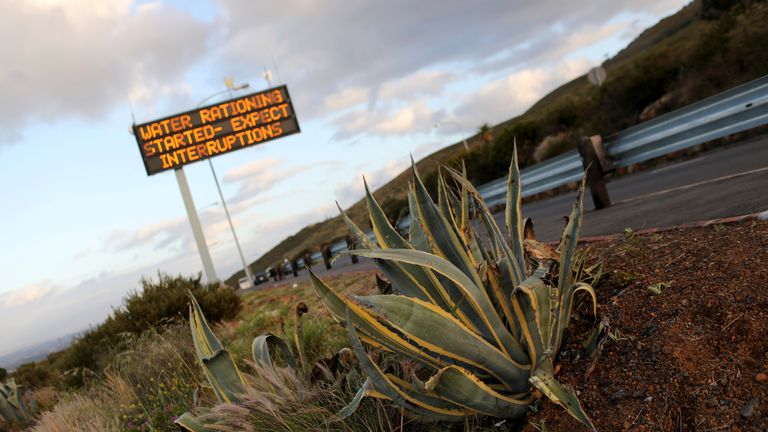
[181, 139]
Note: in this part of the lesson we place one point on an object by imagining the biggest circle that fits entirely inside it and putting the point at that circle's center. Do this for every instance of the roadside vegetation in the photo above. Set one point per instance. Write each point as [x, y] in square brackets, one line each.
[156, 304]
[466, 325]
[644, 353]
[476, 321]
[707, 47]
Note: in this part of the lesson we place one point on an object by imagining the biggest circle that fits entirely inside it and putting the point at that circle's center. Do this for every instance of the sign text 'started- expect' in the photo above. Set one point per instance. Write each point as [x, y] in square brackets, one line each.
[216, 129]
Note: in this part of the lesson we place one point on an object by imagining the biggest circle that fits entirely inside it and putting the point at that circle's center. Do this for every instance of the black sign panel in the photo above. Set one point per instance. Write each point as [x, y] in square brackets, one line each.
[181, 139]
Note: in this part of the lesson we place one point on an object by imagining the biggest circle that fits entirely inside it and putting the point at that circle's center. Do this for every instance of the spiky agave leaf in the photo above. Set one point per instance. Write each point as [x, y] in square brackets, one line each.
[222, 373]
[219, 368]
[487, 323]
[12, 406]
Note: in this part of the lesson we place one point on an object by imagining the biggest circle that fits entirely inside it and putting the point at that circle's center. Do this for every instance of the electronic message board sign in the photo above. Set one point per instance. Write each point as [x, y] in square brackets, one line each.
[181, 139]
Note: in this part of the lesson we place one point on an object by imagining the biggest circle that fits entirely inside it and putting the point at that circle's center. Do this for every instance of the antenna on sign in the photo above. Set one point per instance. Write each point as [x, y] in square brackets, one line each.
[133, 116]
[268, 76]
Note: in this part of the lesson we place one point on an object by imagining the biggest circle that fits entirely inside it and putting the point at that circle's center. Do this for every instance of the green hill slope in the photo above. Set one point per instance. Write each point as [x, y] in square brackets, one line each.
[705, 48]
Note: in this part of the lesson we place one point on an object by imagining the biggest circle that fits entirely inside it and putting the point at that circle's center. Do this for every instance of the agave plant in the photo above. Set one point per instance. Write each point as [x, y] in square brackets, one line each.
[12, 406]
[483, 315]
[228, 383]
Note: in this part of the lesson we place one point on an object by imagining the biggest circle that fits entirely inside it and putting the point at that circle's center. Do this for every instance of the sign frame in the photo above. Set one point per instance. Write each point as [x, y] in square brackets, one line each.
[192, 124]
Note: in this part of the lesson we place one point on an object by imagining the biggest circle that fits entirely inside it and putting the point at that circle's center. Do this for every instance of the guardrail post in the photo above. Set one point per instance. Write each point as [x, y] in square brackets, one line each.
[327, 256]
[279, 269]
[351, 244]
[591, 150]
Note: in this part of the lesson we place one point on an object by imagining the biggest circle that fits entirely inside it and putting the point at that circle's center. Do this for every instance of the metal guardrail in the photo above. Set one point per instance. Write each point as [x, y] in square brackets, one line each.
[560, 170]
[736, 110]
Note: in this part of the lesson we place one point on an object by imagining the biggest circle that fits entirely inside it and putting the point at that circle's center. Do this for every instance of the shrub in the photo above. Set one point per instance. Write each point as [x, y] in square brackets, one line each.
[158, 302]
[166, 299]
[144, 388]
[32, 375]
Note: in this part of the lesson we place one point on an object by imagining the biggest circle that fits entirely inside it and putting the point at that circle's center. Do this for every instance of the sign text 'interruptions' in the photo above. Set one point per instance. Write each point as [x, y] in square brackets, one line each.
[216, 129]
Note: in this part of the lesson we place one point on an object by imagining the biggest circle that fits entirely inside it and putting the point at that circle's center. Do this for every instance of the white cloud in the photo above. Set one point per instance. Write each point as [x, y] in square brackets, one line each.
[80, 58]
[512, 95]
[350, 190]
[346, 98]
[258, 177]
[162, 234]
[412, 118]
[419, 84]
[27, 294]
[334, 51]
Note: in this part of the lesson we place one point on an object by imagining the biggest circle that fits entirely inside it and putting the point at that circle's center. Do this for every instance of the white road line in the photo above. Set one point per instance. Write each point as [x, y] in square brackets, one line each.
[692, 185]
[677, 165]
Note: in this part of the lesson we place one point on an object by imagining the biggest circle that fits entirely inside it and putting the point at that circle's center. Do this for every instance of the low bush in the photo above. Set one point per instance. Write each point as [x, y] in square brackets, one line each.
[156, 303]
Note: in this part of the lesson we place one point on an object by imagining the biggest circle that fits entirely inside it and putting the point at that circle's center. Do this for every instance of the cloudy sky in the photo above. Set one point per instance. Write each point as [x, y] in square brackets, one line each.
[81, 220]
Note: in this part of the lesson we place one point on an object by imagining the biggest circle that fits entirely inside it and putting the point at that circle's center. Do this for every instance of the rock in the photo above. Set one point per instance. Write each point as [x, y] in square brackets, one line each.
[618, 395]
[761, 377]
[749, 408]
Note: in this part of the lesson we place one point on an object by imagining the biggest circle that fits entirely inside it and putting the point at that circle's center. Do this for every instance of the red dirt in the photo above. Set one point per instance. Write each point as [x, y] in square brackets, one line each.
[687, 359]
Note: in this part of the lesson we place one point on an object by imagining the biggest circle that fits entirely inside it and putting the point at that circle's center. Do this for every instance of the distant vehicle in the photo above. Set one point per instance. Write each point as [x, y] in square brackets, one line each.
[260, 277]
[243, 283]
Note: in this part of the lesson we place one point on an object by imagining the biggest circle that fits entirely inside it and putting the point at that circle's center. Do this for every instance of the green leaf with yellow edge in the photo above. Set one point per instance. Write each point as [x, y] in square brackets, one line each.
[262, 346]
[416, 235]
[567, 250]
[513, 214]
[443, 334]
[368, 325]
[475, 296]
[494, 233]
[532, 303]
[460, 387]
[354, 404]
[219, 368]
[408, 279]
[389, 390]
[357, 233]
[560, 395]
[441, 232]
[188, 422]
[387, 236]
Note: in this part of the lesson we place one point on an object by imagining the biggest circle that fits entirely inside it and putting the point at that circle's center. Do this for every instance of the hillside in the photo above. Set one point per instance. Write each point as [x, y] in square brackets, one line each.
[703, 49]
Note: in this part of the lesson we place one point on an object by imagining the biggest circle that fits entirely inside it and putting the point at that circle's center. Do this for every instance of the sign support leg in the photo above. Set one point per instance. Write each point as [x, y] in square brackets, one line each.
[197, 229]
[246, 267]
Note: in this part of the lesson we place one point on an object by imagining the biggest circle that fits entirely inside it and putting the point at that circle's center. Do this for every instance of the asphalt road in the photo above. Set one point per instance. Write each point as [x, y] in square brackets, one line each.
[724, 182]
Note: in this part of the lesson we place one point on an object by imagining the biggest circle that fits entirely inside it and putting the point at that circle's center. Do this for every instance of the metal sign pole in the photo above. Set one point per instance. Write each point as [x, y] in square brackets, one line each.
[197, 229]
[246, 267]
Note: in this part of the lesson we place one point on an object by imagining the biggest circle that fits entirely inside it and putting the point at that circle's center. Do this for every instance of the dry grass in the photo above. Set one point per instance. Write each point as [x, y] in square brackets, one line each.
[143, 389]
[147, 386]
[98, 410]
[280, 400]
